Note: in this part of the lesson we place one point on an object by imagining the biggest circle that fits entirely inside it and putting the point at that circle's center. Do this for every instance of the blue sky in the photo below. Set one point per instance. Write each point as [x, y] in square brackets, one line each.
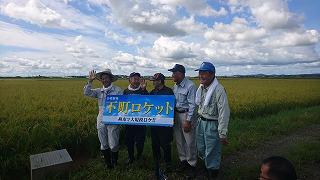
[69, 37]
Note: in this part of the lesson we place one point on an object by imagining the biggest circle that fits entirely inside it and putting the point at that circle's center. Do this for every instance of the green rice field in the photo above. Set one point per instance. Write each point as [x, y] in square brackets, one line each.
[39, 115]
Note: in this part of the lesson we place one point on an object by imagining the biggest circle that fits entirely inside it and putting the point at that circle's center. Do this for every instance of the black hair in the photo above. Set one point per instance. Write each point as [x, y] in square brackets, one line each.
[280, 168]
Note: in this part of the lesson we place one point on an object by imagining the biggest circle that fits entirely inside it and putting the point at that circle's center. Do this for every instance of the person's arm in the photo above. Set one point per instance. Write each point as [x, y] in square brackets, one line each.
[171, 91]
[87, 90]
[125, 92]
[120, 91]
[191, 101]
[187, 126]
[224, 115]
[143, 85]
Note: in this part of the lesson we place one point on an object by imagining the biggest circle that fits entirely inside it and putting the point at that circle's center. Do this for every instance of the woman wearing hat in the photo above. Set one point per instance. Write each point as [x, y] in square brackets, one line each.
[108, 134]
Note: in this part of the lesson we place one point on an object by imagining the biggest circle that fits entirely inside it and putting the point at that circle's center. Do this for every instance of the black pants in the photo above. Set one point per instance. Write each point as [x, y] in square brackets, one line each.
[161, 137]
[135, 135]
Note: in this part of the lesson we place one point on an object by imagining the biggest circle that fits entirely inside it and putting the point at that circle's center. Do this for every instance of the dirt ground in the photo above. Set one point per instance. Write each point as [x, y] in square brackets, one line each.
[254, 156]
[277, 147]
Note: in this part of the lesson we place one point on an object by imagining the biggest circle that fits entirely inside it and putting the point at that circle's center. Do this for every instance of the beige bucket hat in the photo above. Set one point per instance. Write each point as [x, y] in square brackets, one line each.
[106, 71]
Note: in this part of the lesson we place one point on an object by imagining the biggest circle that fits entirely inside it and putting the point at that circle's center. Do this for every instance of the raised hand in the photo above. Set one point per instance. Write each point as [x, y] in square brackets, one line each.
[92, 75]
[143, 83]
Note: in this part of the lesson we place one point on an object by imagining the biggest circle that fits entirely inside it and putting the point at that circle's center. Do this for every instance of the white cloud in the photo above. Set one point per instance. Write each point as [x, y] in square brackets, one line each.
[127, 63]
[199, 7]
[3, 65]
[72, 37]
[171, 48]
[58, 51]
[151, 17]
[124, 59]
[122, 38]
[79, 49]
[237, 30]
[308, 37]
[34, 12]
[191, 24]
[141, 16]
[54, 43]
[26, 64]
[13, 35]
[52, 14]
[73, 66]
[271, 14]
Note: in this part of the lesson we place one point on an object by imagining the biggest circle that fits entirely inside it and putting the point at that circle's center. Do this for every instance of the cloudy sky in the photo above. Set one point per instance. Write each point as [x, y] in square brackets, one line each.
[71, 37]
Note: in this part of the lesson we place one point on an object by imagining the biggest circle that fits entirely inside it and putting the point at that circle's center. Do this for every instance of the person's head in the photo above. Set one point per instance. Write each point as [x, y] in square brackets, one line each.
[277, 168]
[106, 77]
[206, 73]
[158, 80]
[134, 79]
[178, 73]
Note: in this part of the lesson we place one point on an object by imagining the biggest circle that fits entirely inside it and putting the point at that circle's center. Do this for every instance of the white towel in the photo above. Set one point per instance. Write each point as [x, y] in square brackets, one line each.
[133, 89]
[212, 87]
[106, 89]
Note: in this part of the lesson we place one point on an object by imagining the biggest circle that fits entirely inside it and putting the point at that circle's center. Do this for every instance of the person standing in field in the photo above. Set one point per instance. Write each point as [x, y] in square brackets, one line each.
[214, 113]
[108, 134]
[184, 125]
[135, 134]
[161, 136]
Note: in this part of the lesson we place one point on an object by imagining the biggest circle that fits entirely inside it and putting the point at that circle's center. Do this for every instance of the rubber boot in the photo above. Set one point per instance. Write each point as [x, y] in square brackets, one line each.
[212, 173]
[107, 158]
[114, 158]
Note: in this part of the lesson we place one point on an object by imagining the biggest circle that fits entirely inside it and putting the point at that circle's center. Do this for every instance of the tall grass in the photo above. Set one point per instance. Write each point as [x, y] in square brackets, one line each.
[42, 115]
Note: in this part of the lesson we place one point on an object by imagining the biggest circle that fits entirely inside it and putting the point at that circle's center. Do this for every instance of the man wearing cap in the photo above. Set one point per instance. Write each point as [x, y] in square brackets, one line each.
[184, 127]
[161, 136]
[108, 134]
[135, 134]
[214, 113]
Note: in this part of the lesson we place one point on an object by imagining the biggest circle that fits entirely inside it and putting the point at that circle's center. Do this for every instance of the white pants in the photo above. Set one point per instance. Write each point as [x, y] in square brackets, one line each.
[108, 136]
[186, 142]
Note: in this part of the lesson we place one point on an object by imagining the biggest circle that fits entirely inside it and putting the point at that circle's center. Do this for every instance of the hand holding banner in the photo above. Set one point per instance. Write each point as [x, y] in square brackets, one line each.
[150, 110]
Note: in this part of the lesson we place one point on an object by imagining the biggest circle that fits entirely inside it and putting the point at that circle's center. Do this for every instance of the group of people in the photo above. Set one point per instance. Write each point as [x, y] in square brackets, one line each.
[201, 118]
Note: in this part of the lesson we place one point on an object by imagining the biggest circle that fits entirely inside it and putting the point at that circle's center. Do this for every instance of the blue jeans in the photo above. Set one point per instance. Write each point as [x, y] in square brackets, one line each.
[208, 143]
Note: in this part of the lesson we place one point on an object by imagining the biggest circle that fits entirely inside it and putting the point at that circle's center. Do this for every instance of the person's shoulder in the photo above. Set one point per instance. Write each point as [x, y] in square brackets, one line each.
[142, 91]
[97, 89]
[220, 88]
[126, 91]
[117, 89]
[168, 89]
[190, 83]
